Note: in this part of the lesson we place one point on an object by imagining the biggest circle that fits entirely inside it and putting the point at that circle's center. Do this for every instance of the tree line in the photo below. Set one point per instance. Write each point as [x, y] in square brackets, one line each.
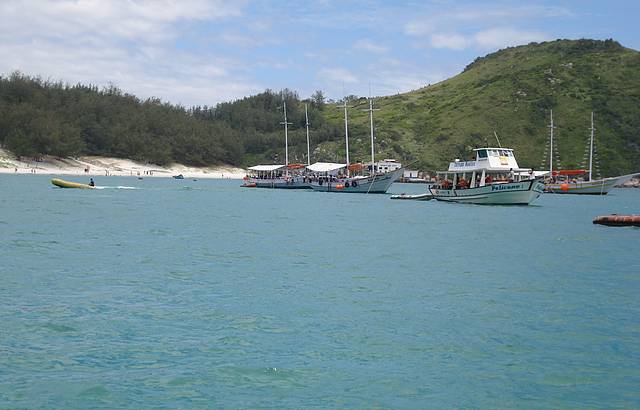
[40, 117]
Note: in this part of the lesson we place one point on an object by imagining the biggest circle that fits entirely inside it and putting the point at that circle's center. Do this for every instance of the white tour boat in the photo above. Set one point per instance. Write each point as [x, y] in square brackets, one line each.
[494, 178]
[276, 176]
[287, 176]
[331, 177]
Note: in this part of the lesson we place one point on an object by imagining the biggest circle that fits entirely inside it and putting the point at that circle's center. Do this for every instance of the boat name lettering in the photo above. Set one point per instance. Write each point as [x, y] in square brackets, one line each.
[502, 187]
[462, 164]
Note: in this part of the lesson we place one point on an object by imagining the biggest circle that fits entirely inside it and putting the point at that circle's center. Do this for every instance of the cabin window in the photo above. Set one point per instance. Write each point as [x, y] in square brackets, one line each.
[482, 153]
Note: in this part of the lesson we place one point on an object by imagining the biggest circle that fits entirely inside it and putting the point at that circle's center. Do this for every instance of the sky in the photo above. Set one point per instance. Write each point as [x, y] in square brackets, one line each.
[202, 52]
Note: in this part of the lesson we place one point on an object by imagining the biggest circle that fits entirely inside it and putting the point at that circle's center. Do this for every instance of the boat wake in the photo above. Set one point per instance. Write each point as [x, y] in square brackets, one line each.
[116, 187]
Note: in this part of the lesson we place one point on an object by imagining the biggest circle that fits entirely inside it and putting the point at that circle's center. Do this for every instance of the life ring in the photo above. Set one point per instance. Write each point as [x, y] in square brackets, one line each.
[354, 184]
[346, 184]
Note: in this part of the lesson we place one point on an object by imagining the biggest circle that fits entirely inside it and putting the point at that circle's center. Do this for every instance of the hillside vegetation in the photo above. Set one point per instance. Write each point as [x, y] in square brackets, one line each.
[510, 92]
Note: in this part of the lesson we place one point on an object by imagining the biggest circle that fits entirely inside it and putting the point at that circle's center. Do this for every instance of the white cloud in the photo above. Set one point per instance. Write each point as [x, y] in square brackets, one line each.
[480, 27]
[369, 46]
[493, 38]
[451, 40]
[337, 75]
[127, 43]
[500, 37]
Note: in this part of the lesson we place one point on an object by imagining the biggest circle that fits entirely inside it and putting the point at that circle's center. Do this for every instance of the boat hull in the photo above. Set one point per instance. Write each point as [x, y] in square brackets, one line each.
[418, 197]
[277, 183]
[513, 193]
[595, 187]
[376, 184]
[68, 184]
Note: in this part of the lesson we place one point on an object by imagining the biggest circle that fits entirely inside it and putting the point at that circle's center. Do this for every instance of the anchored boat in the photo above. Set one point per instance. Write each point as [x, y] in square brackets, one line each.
[331, 177]
[276, 176]
[287, 176]
[494, 178]
[579, 181]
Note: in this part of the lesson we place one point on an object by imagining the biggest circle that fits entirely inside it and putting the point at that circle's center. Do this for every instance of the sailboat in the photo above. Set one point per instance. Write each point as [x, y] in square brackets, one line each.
[579, 181]
[287, 176]
[334, 177]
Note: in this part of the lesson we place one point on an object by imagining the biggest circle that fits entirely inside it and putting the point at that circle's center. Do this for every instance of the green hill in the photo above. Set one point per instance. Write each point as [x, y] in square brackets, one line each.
[511, 91]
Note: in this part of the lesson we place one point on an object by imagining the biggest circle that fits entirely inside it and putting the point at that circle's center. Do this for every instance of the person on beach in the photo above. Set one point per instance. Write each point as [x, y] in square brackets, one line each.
[91, 183]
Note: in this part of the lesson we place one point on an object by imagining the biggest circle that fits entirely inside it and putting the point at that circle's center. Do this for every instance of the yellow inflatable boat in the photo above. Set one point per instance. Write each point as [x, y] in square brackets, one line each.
[68, 184]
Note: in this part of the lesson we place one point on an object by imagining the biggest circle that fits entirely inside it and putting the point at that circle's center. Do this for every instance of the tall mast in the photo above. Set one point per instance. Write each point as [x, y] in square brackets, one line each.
[371, 110]
[591, 148]
[306, 116]
[286, 138]
[551, 127]
[346, 132]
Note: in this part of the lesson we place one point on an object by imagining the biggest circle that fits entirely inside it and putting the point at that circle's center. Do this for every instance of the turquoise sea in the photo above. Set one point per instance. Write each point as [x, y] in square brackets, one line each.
[201, 294]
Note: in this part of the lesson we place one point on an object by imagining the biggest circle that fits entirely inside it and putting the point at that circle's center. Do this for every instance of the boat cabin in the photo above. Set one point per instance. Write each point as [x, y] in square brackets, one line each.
[491, 166]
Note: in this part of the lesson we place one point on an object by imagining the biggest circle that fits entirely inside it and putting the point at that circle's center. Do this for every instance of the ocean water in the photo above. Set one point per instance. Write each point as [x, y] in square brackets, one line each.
[201, 294]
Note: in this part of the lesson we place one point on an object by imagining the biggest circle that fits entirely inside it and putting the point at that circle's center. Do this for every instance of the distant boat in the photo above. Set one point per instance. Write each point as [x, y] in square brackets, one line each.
[276, 176]
[287, 176]
[179, 176]
[417, 197]
[69, 184]
[579, 181]
[331, 177]
[494, 178]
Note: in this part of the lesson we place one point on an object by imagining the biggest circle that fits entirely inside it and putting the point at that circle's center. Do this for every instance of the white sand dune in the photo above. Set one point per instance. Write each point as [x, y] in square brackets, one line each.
[94, 165]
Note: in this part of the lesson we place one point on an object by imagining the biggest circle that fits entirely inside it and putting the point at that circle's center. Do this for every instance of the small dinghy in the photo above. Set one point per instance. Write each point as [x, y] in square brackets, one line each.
[418, 197]
[68, 184]
[618, 220]
[179, 176]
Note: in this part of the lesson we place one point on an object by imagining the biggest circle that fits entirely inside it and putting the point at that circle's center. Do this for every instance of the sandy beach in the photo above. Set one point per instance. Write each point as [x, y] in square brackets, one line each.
[105, 166]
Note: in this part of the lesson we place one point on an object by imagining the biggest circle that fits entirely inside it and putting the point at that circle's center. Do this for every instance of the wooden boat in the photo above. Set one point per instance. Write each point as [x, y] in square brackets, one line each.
[618, 220]
[69, 184]
[287, 176]
[330, 177]
[418, 197]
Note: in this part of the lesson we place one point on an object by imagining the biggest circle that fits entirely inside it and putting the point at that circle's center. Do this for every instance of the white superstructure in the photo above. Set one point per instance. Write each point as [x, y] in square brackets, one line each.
[493, 178]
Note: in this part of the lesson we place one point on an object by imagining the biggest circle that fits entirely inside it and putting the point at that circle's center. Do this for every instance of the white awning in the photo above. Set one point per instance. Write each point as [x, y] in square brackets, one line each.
[266, 167]
[325, 167]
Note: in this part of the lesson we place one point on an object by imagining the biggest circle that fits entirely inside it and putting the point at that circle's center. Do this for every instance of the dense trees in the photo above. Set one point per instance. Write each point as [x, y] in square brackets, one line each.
[40, 117]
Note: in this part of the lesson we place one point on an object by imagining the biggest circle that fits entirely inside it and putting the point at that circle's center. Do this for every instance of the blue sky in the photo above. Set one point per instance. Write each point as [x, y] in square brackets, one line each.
[196, 52]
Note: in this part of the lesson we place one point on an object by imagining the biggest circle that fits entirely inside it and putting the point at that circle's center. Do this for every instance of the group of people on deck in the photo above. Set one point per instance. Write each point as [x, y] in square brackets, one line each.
[462, 183]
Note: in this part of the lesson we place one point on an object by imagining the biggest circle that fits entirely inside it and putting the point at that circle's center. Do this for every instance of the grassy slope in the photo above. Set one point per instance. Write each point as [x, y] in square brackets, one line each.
[512, 91]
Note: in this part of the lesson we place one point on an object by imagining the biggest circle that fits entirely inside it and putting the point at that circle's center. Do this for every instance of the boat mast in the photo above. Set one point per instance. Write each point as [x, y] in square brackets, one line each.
[286, 139]
[346, 132]
[371, 110]
[551, 127]
[591, 148]
[306, 116]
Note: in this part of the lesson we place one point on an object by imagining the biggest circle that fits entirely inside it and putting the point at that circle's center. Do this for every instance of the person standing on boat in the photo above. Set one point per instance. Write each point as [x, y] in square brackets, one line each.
[91, 183]
[511, 175]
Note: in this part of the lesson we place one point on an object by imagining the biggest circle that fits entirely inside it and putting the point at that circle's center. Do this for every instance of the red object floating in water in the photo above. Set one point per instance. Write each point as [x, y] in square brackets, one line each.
[618, 220]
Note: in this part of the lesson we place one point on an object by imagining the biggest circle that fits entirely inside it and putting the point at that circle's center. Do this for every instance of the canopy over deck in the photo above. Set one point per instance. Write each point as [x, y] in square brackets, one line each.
[266, 168]
[325, 167]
